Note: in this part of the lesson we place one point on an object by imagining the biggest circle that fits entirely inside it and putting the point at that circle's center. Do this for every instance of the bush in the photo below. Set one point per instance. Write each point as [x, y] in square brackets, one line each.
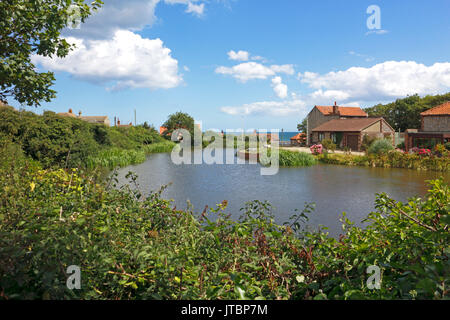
[380, 146]
[447, 145]
[295, 159]
[316, 149]
[133, 247]
[328, 144]
[367, 142]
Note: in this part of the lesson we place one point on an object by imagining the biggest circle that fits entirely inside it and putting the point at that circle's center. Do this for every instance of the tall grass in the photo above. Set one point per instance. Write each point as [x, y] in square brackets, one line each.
[165, 146]
[296, 159]
[115, 157]
[290, 158]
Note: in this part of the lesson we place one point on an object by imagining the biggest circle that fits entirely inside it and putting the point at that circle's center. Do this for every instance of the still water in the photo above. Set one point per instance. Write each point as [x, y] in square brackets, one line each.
[333, 189]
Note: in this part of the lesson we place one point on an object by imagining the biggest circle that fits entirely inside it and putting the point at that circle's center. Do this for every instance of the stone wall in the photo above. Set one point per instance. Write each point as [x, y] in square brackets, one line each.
[436, 123]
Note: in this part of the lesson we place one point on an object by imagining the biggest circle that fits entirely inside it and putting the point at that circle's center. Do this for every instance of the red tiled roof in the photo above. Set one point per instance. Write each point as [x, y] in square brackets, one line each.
[346, 125]
[443, 109]
[299, 136]
[343, 111]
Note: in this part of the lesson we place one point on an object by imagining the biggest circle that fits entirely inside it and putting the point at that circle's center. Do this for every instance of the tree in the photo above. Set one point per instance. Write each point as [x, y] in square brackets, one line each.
[33, 27]
[179, 120]
[302, 127]
[405, 113]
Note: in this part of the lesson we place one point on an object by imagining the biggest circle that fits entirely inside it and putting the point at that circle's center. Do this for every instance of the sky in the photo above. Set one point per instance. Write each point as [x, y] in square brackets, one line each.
[256, 64]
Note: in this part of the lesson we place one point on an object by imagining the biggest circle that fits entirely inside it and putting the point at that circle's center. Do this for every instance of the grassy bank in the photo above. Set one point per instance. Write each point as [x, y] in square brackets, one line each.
[57, 141]
[289, 158]
[389, 160]
[131, 247]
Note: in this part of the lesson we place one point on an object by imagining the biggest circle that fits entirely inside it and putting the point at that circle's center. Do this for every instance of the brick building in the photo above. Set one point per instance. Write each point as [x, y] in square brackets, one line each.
[435, 128]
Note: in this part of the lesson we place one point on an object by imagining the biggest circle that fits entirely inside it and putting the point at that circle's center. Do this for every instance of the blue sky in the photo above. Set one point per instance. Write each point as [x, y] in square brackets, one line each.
[294, 54]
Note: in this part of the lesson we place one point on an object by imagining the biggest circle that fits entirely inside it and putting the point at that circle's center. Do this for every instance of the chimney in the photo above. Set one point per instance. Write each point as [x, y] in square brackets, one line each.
[118, 122]
[70, 110]
[79, 113]
[115, 122]
[335, 108]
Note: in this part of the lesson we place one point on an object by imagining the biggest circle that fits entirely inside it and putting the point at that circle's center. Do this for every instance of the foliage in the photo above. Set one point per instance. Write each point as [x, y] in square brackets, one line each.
[179, 120]
[393, 159]
[405, 113]
[69, 142]
[316, 149]
[112, 158]
[447, 145]
[30, 28]
[367, 142]
[295, 159]
[164, 146]
[133, 247]
[380, 146]
[302, 127]
[329, 145]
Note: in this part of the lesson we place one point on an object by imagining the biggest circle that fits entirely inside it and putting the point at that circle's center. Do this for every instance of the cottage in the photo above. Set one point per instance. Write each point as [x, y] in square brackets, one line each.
[123, 125]
[435, 128]
[91, 119]
[350, 132]
[322, 114]
[298, 139]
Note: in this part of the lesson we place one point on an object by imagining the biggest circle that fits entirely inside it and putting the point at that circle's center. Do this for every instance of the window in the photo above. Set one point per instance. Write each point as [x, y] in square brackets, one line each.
[321, 136]
[333, 137]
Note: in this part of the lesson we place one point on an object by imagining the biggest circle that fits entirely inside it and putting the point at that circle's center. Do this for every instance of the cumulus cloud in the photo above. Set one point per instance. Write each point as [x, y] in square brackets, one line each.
[240, 55]
[132, 15]
[280, 89]
[381, 82]
[126, 60]
[253, 70]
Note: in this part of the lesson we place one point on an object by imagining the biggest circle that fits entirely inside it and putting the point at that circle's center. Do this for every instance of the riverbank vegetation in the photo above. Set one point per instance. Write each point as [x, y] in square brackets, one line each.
[392, 159]
[133, 247]
[69, 142]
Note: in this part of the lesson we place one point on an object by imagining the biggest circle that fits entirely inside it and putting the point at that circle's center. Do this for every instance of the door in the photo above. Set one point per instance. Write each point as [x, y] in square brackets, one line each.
[352, 142]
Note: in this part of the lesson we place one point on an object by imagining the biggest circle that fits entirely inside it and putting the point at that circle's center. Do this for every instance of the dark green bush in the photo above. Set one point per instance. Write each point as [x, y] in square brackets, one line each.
[380, 146]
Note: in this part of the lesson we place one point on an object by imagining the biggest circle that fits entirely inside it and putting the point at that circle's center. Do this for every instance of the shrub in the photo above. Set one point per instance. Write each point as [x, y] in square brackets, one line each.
[328, 144]
[401, 146]
[295, 159]
[133, 247]
[447, 145]
[380, 146]
[367, 142]
[316, 149]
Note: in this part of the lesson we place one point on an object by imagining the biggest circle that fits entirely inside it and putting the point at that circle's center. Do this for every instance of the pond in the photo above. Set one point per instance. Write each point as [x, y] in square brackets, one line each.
[332, 188]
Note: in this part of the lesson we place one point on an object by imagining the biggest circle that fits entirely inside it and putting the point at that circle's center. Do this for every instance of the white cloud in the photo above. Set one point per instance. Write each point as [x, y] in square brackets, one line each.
[253, 70]
[381, 82]
[285, 68]
[247, 71]
[196, 9]
[126, 60]
[274, 108]
[240, 55]
[355, 86]
[280, 89]
[132, 15]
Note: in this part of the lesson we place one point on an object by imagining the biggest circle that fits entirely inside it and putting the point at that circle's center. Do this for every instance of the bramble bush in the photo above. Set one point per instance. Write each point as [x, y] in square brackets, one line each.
[133, 247]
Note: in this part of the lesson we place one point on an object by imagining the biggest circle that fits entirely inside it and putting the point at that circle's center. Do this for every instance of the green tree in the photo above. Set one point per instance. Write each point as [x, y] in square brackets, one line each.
[33, 27]
[179, 120]
[302, 126]
[405, 113]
